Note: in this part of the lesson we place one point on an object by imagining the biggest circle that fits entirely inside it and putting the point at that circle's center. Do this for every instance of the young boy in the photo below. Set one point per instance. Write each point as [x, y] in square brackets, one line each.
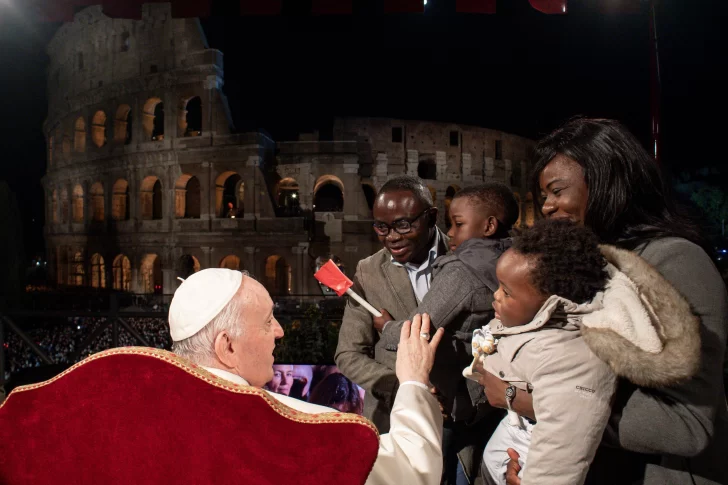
[569, 323]
[460, 299]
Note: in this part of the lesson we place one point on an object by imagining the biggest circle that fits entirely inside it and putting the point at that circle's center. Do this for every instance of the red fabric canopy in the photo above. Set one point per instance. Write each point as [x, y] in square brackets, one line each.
[140, 415]
[63, 10]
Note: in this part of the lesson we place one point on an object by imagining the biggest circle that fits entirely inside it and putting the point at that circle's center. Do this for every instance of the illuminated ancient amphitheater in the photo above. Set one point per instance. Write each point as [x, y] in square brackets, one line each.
[148, 179]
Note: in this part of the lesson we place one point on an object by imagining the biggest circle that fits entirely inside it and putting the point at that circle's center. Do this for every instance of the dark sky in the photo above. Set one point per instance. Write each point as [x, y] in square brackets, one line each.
[518, 71]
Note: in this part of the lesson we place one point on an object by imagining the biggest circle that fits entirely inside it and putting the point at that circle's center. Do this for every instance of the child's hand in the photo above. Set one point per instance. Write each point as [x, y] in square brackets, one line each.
[380, 321]
[513, 467]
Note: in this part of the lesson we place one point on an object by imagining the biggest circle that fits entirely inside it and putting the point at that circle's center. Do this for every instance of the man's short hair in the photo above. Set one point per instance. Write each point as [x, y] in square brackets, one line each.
[409, 183]
[493, 198]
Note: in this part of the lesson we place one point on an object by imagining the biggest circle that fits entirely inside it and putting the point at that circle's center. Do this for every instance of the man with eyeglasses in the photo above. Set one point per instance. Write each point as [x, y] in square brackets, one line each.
[396, 278]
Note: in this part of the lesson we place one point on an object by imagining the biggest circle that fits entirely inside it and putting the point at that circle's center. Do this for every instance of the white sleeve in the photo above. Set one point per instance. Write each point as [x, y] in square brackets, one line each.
[411, 453]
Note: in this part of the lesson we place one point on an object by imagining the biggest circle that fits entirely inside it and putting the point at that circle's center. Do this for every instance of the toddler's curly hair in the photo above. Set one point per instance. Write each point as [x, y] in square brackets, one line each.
[567, 259]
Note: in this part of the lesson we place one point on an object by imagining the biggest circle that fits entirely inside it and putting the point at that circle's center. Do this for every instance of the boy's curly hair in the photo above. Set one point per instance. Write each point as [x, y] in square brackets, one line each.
[568, 260]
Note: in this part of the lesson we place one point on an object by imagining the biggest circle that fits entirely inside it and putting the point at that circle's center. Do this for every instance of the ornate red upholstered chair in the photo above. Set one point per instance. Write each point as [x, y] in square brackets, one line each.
[137, 415]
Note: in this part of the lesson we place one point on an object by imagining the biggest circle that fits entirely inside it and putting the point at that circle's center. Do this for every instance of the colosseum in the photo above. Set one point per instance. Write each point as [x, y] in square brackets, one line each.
[147, 178]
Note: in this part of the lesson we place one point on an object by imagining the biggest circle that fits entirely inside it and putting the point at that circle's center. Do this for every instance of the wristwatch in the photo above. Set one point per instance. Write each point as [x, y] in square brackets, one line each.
[510, 396]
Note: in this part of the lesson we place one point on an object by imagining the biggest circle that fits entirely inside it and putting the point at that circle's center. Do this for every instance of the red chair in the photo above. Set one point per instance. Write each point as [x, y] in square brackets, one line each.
[137, 415]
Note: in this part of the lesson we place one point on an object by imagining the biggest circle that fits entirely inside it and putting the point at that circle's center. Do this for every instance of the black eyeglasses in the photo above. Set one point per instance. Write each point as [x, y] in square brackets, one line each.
[401, 226]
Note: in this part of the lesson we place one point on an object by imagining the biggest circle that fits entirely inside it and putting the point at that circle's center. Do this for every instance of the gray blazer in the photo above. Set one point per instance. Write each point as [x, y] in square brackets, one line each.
[360, 355]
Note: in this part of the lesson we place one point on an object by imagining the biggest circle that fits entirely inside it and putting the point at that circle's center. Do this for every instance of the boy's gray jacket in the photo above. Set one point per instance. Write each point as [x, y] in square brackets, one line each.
[570, 355]
[460, 300]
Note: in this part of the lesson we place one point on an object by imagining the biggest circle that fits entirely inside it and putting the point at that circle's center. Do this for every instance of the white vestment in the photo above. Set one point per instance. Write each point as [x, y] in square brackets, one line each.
[411, 453]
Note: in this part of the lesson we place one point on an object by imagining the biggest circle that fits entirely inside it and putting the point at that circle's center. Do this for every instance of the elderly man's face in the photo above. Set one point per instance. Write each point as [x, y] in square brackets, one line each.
[254, 348]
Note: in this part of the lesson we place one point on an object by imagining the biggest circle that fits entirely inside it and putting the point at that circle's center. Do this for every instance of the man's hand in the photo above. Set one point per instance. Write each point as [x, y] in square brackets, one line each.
[513, 467]
[416, 354]
[380, 321]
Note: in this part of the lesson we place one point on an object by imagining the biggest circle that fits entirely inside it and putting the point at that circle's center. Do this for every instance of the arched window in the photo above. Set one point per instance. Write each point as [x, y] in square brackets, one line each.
[122, 125]
[289, 198]
[328, 194]
[97, 202]
[190, 117]
[151, 273]
[370, 194]
[153, 122]
[54, 207]
[279, 277]
[79, 141]
[188, 265]
[78, 203]
[98, 271]
[230, 262]
[64, 206]
[427, 168]
[187, 197]
[228, 195]
[120, 201]
[78, 273]
[122, 273]
[98, 129]
[151, 198]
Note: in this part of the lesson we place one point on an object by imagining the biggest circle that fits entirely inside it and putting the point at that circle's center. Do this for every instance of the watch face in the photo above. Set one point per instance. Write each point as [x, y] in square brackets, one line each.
[510, 392]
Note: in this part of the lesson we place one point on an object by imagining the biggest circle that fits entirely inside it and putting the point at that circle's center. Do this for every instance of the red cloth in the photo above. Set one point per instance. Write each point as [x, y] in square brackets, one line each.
[330, 275]
[139, 415]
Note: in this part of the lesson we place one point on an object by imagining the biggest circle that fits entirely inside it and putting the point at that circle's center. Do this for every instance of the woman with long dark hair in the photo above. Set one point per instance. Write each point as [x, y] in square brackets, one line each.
[595, 172]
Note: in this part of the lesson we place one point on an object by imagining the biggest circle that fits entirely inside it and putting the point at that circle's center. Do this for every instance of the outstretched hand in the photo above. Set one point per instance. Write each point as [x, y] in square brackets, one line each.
[416, 353]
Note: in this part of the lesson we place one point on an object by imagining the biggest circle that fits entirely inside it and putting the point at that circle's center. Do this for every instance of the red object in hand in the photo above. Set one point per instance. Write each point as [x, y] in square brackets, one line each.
[331, 276]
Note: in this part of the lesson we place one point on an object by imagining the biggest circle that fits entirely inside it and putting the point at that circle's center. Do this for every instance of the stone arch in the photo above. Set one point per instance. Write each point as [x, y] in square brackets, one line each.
[120, 201]
[278, 275]
[151, 274]
[122, 124]
[79, 137]
[328, 194]
[228, 190]
[190, 117]
[153, 119]
[151, 198]
[427, 167]
[122, 273]
[188, 265]
[97, 202]
[98, 129]
[187, 197]
[78, 271]
[230, 262]
[288, 197]
[78, 203]
[98, 271]
[64, 205]
[520, 210]
[370, 193]
[54, 206]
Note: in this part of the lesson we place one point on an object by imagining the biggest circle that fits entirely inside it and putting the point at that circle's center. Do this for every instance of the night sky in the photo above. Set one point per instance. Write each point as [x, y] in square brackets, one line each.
[518, 71]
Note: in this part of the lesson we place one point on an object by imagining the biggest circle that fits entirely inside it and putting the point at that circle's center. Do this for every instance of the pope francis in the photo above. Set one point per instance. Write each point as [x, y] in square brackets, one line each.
[223, 321]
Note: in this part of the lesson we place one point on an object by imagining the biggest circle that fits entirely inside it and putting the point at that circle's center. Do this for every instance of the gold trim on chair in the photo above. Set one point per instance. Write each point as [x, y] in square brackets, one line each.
[200, 373]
